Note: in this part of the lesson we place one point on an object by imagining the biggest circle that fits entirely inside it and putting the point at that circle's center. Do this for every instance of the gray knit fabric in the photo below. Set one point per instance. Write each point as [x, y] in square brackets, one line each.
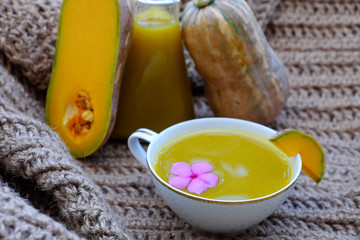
[47, 194]
[31, 150]
[18, 220]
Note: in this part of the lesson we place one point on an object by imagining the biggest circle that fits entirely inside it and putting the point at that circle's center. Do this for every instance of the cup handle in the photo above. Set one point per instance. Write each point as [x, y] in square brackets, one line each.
[134, 143]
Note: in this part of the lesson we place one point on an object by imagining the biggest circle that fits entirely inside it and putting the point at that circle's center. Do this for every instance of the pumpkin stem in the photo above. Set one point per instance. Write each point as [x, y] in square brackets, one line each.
[202, 3]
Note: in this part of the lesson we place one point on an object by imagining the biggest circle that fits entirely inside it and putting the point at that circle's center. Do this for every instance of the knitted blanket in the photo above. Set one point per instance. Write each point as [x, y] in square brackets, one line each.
[47, 194]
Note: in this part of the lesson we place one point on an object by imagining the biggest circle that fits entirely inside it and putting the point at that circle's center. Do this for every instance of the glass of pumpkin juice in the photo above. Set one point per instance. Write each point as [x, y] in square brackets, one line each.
[155, 91]
[247, 165]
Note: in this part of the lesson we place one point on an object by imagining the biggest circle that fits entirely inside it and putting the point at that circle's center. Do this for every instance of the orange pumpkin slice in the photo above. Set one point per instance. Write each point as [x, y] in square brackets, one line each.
[292, 142]
[91, 49]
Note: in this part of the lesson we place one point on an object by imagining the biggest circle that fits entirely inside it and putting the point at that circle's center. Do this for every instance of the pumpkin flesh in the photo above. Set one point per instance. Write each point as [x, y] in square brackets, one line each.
[86, 74]
[292, 142]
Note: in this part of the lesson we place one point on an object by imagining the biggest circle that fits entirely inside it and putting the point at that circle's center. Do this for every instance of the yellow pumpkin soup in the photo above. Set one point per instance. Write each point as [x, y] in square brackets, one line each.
[234, 165]
[155, 92]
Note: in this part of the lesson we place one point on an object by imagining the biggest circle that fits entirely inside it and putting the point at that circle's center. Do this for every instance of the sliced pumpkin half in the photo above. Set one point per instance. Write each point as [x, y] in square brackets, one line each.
[292, 142]
[83, 84]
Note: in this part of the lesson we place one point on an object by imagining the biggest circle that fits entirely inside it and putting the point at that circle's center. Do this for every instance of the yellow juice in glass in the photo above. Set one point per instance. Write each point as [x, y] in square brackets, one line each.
[248, 166]
[155, 91]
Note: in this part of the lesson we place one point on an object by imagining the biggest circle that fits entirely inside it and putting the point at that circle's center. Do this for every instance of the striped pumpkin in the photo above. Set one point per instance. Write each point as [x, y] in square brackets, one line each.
[244, 78]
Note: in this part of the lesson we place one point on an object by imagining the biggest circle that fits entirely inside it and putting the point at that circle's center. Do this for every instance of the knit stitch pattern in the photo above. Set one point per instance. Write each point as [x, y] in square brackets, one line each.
[31, 150]
[47, 194]
[18, 220]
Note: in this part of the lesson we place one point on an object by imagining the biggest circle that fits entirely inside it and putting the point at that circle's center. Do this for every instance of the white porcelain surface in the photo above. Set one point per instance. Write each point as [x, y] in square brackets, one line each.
[220, 216]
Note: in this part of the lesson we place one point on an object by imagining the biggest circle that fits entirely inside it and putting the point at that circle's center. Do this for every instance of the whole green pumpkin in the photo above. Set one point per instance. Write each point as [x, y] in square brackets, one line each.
[244, 78]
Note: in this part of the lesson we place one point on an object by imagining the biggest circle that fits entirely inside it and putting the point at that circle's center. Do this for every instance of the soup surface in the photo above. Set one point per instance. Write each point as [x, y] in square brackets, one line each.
[248, 166]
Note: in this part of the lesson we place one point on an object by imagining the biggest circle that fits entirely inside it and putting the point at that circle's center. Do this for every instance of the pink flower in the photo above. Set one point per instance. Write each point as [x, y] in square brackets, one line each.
[196, 178]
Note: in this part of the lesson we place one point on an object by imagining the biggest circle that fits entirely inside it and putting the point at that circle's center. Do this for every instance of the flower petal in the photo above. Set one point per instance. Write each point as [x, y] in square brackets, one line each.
[201, 167]
[179, 182]
[181, 169]
[197, 186]
[209, 179]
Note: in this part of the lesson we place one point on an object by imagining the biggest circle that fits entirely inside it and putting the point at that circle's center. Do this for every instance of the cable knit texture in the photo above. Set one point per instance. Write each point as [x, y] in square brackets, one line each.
[47, 194]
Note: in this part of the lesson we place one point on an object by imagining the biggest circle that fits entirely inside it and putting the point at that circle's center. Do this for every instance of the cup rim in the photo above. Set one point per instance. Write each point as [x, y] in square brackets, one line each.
[298, 165]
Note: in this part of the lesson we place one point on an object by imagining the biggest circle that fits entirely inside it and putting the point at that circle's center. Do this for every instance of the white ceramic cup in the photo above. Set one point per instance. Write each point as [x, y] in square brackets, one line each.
[227, 217]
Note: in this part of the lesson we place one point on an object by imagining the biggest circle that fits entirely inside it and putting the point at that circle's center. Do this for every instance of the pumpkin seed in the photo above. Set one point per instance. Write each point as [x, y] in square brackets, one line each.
[87, 116]
[70, 112]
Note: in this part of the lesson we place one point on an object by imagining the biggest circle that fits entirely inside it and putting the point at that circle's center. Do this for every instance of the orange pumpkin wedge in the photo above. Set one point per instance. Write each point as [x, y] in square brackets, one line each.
[91, 50]
[292, 142]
